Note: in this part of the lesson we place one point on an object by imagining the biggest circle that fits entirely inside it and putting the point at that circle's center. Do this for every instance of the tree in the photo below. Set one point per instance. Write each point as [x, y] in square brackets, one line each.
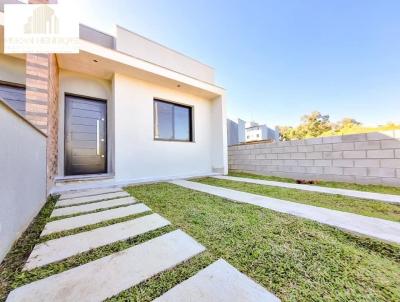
[312, 125]
[347, 122]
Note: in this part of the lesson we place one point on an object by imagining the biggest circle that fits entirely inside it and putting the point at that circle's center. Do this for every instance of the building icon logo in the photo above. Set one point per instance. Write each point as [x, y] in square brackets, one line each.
[40, 28]
[42, 21]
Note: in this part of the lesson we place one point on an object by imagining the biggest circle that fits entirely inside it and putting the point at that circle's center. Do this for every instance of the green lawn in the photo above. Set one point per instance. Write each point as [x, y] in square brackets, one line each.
[297, 259]
[337, 202]
[331, 184]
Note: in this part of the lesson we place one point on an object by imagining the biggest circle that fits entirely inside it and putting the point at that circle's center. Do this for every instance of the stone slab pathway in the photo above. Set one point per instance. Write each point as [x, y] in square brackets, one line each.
[87, 199]
[90, 192]
[368, 226]
[93, 218]
[351, 193]
[92, 206]
[64, 247]
[108, 276]
[218, 282]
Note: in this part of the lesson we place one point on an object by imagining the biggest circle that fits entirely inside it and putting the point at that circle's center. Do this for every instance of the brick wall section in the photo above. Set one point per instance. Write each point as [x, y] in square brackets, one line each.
[362, 158]
[42, 100]
[52, 121]
[37, 84]
[42, 103]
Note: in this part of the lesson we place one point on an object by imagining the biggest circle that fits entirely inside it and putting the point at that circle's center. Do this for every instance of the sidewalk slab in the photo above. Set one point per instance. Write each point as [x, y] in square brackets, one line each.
[92, 206]
[93, 218]
[218, 282]
[87, 199]
[90, 192]
[367, 226]
[351, 193]
[64, 247]
[108, 276]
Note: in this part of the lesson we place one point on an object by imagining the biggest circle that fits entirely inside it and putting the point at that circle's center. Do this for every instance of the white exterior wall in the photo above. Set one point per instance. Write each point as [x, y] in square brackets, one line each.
[22, 176]
[150, 51]
[138, 157]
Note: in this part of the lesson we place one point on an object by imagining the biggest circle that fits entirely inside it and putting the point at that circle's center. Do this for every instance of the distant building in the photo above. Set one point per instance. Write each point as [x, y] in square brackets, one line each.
[244, 132]
[233, 132]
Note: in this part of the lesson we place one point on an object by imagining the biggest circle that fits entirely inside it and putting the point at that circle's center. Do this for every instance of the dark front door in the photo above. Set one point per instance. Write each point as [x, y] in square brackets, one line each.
[85, 136]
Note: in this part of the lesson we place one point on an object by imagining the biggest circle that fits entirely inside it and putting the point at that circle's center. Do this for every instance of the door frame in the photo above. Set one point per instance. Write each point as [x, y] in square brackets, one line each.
[89, 98]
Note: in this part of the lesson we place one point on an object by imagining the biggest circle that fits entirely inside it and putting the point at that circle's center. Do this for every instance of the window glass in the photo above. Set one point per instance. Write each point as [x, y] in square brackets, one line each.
[164, 120]
[182, 123]
[172, 121]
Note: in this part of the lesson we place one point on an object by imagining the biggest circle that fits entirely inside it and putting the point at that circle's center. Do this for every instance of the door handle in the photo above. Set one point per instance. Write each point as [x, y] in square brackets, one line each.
[98, 137]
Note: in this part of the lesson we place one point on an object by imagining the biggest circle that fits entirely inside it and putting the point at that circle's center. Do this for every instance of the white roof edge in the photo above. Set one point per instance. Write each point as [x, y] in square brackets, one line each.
[127, 59]
[166, 47]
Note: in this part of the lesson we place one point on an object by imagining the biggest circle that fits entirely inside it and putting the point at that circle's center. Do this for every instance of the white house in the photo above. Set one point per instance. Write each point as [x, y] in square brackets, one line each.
[129, 109]
[256, 132]
[123, 110]
[242, 132]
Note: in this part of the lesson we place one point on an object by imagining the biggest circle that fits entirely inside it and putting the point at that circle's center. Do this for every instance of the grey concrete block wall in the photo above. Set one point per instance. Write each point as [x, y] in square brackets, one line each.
[360, 158]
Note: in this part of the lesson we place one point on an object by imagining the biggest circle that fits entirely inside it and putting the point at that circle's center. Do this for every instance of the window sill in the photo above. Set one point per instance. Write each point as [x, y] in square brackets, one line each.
[172, 140]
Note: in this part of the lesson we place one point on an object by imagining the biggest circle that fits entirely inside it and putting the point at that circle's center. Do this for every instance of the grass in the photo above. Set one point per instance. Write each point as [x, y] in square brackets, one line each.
[19, 253]
[331, 184]
[297, 259]
[364, 207]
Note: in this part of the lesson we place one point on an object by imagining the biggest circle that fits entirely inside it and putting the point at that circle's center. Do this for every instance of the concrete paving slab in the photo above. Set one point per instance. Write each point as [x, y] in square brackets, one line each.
[86, 199]
[350, 193]
[108, 276]
[218, 282]
[367, 226]
[64, 247]
[83, 193]
[93, 218]
[92, 206]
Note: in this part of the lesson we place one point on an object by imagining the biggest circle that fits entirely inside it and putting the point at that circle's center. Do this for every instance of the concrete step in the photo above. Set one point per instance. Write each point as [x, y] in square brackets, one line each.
[83, 193]
[86, 199]
[108, 276]
[218, 282]
[93, 218]
[92, 206]
[64, 247]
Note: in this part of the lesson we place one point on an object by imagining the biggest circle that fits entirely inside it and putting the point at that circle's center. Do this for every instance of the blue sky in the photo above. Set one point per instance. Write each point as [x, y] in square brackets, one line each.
[278, 59]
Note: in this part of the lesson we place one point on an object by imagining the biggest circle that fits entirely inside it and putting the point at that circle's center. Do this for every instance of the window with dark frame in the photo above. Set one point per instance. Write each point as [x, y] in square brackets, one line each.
[172, 122]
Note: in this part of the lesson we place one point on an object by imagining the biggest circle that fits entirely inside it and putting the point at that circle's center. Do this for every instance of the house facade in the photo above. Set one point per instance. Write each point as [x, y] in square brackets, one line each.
[123, 110]
[245, 132]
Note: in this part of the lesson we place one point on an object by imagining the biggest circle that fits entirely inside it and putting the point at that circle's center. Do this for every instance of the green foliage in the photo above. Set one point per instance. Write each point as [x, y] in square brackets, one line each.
[316, 125]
